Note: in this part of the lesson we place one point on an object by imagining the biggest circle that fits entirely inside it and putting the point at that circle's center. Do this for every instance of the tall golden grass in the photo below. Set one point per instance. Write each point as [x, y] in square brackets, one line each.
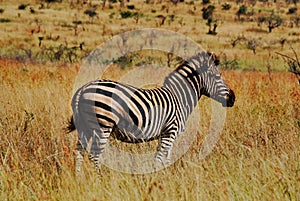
[256, 158]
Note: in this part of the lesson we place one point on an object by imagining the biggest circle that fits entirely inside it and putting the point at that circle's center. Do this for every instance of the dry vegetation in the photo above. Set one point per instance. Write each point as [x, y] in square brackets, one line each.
[256, 158]
[66, 32]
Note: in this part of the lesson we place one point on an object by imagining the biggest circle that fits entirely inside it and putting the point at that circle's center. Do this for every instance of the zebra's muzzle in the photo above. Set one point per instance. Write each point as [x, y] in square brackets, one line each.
[229, 100]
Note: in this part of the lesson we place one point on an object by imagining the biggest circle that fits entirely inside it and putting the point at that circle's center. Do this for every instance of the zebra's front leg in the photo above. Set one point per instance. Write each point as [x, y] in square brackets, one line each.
[165, 146]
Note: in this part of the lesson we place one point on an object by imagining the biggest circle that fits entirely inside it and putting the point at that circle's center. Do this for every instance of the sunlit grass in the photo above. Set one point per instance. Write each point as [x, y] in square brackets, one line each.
[256, 158]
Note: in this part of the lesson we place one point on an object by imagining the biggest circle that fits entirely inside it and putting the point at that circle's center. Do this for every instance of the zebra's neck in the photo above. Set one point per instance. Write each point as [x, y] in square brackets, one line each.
[186, 85]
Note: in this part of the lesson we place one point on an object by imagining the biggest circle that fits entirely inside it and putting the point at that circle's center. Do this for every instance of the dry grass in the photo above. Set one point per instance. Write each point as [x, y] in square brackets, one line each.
[256, 158]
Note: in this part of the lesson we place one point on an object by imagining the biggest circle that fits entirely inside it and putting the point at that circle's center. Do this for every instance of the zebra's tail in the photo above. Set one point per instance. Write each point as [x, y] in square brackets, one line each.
[75, 108]
[70, 125]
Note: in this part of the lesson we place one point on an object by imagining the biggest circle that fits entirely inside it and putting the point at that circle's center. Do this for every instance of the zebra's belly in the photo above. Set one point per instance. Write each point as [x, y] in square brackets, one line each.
[126, 137]
[129, 133]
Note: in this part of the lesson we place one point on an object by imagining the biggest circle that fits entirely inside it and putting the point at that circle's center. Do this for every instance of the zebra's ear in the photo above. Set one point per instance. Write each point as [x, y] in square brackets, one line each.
[214, 58]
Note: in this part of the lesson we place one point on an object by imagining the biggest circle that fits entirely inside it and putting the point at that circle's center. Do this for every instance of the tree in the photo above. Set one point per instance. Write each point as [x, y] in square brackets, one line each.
[212, 24]
[207, 14]
[273, 21]
[242, 11]
[91, 13]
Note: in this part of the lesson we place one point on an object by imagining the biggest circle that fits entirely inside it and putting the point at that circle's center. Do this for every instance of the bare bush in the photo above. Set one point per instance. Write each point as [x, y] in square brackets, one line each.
[293, 63]
[237, 40]
[252, 44]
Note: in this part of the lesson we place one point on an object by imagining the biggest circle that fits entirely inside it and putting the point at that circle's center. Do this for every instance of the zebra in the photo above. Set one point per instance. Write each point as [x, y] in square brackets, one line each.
[104, 107]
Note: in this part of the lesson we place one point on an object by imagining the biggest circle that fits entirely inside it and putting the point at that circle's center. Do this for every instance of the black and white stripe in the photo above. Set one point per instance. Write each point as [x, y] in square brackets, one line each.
[141, 115]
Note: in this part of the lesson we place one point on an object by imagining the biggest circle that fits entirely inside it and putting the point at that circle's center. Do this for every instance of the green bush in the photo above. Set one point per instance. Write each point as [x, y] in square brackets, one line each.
[229, 65]
[242, 10]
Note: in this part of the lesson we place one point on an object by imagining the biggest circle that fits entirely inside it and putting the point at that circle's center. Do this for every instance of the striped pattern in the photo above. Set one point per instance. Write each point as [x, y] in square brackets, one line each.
[141, 115]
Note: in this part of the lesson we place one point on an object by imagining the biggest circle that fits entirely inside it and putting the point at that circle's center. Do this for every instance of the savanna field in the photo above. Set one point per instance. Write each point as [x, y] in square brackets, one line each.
[257, 156]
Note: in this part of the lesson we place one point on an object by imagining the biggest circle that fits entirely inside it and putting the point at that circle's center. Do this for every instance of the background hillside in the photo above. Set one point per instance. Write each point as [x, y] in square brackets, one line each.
[68, 30]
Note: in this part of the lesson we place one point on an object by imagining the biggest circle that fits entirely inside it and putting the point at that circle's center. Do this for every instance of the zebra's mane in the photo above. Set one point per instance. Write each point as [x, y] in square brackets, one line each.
[200, 62]
[196, 65]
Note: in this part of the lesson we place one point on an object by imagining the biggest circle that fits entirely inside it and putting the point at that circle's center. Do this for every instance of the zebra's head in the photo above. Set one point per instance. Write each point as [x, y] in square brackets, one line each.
[213, 85]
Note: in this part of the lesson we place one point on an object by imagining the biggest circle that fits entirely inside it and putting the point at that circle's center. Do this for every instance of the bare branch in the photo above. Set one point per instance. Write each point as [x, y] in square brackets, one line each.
[293, 63]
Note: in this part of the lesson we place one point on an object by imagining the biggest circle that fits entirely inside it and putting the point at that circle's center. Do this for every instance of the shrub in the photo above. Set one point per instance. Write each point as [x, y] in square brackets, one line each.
[226, 6]
[22, 6]
[296, 20]
[4, 20]
[292, 10]
[52, 1]
[111, 15]
[78, 22]
[204, 2]
[32, 10]
[261, 20]
[125, 14]
[1, 10]
[130, 7]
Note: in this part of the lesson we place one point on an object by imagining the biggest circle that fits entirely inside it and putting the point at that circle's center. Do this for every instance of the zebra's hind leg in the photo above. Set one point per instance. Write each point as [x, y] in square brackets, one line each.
[99, 141]
[79, 157]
